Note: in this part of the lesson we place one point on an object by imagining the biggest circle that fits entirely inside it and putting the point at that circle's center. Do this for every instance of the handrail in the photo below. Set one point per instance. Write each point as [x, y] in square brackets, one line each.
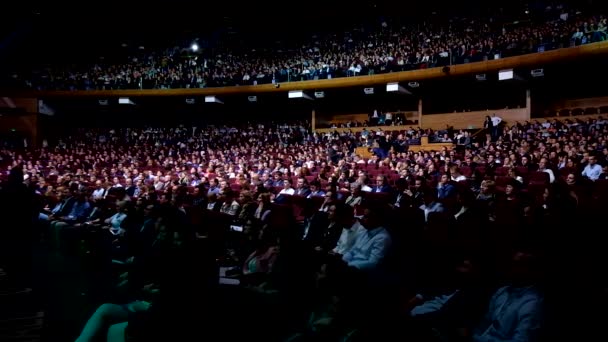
[478, 131]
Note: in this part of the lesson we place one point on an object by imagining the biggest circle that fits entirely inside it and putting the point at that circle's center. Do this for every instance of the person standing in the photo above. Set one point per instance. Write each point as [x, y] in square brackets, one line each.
[496, 120]
[388, 119]
[374, 118]
[488, 126]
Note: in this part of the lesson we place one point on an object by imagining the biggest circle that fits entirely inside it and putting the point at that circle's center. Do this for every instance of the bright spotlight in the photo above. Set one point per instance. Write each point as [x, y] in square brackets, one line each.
[194, 47]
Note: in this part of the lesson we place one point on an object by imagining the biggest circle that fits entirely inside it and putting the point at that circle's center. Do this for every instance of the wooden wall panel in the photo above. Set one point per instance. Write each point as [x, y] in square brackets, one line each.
[325, 120]
[511, 117]
[30, 105]
[466, 120]
[580, 103]
[23, 123]
[426, 146]
[364, 152]
[472, 120]
[340, 118]
[359, 129]
[572, 118]
[25, 105]
[531, 60]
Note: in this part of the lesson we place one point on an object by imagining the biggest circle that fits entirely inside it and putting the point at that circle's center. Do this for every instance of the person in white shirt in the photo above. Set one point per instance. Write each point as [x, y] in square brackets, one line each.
[542, 167]
[350, 233]
[372, 245]
[116, 183]
[431, 204]
[496, 120]
[99, 192]
[456, 175]
[388, 119]
[287, 188]
[287, 191]
[374, 118]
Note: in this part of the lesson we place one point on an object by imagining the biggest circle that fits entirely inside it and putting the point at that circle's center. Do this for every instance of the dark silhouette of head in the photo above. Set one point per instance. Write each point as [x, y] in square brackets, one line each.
[16, 175]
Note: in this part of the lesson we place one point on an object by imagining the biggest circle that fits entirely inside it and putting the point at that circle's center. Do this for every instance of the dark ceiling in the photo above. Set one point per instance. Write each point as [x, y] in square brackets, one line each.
[42, 30]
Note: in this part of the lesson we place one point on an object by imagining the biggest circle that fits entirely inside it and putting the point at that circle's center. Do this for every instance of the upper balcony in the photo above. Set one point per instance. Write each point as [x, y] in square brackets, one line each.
[528, 61]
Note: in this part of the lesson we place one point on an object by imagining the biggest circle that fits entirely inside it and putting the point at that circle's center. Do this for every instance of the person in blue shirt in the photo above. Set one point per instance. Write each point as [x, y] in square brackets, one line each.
[372, 245]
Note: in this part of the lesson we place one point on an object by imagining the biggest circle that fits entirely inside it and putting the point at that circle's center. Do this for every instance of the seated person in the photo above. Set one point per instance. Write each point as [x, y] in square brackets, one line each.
[64, 204]
[331, 318]
[260, 262]
[78, 213]
[458, 306]
[323, 234]
[350, 232]
[95, 215]
[114, 222]
[287, 191]
[361, 267]
[355, 198]
[315, 190]
[372, 245]
[182, 289]
[230, 206]
[515, 310]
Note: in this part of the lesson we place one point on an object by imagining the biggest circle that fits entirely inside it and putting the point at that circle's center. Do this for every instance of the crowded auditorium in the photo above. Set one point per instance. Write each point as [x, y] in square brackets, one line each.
[348, 173]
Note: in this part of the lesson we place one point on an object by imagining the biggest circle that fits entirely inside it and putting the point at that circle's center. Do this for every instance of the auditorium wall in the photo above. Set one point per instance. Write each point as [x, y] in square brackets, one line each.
[472, 120]
[25, 125]
[581, 103]
[466, 120]
[325, 120]
[30, 105]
